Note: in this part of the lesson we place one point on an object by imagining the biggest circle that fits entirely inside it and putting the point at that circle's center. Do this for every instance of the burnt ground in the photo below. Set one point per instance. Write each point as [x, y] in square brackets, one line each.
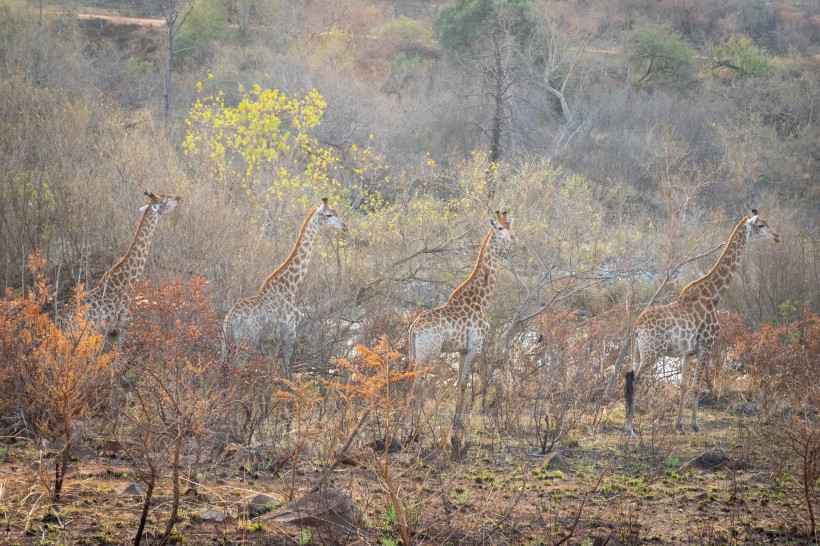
[503, 491]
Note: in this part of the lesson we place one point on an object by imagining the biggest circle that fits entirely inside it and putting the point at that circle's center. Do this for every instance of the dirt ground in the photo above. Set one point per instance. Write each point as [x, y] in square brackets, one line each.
[504, 491]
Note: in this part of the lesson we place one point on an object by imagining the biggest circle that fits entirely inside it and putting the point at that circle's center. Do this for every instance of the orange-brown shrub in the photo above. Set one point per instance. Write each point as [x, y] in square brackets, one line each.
[52, 378]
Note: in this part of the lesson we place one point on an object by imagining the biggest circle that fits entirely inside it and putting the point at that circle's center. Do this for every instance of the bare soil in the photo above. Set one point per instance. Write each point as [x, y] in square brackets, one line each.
[638, 492]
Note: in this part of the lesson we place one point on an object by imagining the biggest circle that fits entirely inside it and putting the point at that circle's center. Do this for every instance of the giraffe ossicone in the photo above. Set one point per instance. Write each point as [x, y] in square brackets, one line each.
[687, 327]
[107, 303]
[267, 320]
[459, 325]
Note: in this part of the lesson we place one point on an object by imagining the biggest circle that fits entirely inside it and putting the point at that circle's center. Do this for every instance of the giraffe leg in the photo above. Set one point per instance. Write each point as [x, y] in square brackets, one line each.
[464, 363]
[696, 390]
[629, 391]
[684, 368]
[287, 354]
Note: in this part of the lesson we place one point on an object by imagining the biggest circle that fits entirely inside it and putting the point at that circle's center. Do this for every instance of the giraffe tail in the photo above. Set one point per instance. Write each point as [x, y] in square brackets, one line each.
[629, 391]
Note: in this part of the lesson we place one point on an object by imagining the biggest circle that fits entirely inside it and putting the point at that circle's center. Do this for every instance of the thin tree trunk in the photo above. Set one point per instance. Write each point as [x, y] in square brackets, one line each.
[172, 520]
[146, 506]
[169, 66]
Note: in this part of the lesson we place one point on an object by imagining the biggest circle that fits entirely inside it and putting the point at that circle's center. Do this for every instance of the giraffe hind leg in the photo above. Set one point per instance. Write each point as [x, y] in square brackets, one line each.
[684, 376]
[696, 392]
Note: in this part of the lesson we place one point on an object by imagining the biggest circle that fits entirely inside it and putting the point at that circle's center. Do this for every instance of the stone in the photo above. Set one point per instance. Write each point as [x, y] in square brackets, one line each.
[133, 489]
[331, 506]
[749, 409]
[712, 460]
[255, 505]
[353, 456]
[83, 453]
[555, 461]
[606, 540]
[216, 516]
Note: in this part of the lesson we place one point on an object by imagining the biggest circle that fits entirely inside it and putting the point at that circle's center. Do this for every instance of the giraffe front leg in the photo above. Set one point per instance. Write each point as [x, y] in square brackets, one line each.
[464, 365]
[684, 368]
[288, 341]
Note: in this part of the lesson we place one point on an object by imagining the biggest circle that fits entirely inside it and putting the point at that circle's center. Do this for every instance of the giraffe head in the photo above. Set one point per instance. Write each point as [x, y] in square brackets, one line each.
[502, 223]
[757, 227]
[160, 204]
[327, 216]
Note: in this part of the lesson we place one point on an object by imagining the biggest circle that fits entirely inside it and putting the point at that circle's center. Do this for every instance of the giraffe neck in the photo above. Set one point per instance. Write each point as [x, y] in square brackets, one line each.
[478, 288]
[129, 269]
[711, 287]
[287, 278]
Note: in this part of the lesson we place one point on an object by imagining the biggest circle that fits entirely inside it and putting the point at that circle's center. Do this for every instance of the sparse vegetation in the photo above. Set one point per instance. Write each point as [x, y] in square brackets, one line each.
[624, 138]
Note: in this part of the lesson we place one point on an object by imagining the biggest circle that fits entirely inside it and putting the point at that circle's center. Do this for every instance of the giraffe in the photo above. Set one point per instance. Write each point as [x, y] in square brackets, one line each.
[107, 303]
[267, 320]
[687, 327]
[459, 325]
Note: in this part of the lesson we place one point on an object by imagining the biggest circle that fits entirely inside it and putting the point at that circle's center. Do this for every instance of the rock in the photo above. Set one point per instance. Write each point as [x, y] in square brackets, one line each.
[83, 453]
[255, 505]
[115, 447]
[712, 460]
[216, 516]
[161, 500]
[606, 540]
[329, 507]
[749, 409]
[555, 461]
[232, 449]
[133, 489]
[395, 446]
[353, 456]
[405, 458]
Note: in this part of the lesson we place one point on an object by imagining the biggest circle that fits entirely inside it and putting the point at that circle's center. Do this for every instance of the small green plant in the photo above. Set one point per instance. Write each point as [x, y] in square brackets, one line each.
[672, 462]
[463, 498]
[389, 517]
[304, 537]
[388, 541]
[137, 68]
[267, 464]
[252, 526]
[404, 29]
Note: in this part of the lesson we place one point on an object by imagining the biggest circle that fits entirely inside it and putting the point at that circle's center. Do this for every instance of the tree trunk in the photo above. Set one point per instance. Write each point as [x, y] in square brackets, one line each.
[172, 520]
[169, 66]
[146, 506]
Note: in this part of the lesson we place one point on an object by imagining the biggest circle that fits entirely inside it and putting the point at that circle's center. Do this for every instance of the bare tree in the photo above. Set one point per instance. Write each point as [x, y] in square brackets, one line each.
[175, 12]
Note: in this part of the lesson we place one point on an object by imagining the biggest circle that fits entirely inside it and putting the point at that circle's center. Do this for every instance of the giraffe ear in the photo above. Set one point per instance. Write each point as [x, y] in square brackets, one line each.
[142, 208]
[492, 223]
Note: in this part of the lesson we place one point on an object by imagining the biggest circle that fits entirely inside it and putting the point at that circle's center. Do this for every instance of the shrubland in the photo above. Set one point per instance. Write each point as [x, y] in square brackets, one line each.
[626, 140]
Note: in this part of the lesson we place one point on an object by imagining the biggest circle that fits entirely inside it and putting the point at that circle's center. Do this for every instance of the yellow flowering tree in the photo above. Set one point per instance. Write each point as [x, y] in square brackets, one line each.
[262, 147]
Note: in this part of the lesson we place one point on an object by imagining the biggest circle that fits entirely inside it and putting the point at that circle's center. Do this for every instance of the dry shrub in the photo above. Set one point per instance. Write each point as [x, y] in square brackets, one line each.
[559, 381]
[374, 388]
[781, 362]
[176, 394]
[53, 378]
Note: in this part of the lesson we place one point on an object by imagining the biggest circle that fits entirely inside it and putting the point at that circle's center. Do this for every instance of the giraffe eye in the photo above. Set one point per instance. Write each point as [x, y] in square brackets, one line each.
[760, 226]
